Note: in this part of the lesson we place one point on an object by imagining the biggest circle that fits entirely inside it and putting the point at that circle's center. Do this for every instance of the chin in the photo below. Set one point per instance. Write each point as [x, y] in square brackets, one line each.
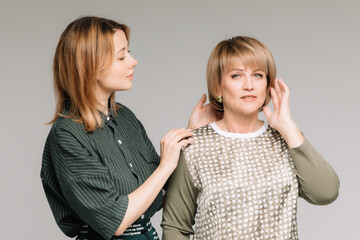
[125, 88]
[249, 113]
[248, 110]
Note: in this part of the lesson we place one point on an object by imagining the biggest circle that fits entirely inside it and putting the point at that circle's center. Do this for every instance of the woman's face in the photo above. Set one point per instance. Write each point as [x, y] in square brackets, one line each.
[243, 89]
[118, 76]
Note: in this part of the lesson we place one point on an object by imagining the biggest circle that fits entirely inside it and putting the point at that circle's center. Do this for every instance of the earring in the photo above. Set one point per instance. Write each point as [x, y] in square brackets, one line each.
[219, 99]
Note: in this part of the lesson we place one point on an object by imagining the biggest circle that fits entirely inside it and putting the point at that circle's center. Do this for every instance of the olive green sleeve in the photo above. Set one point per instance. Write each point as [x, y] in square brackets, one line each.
[318, 182]
[180, 204]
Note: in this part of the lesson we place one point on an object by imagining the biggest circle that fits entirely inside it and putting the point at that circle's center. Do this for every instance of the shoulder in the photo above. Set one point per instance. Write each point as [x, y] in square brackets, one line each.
[275, 140]
[65, 124]
[203, 133]
[124, 112]
[128, 121]
[272, 132]
[201, 136]
[66, 131]
[123, 109]
[204, 140]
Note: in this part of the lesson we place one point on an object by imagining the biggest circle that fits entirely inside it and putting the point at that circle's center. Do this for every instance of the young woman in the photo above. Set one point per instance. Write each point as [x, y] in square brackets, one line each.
[241, 177]
[100, 172]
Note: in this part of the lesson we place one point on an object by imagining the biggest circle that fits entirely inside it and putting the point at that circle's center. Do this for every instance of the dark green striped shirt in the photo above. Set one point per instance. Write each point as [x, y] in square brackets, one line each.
[88, 175]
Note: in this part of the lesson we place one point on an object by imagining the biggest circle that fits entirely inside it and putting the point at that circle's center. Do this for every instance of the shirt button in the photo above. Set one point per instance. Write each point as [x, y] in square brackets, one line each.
[119, 141]
[142, 216]
[131, 165]
[108, 118]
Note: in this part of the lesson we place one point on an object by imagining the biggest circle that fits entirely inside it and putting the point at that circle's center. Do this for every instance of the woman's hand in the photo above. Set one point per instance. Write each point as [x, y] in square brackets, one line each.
[202, 114]
[280, 97]
[171, 145]
[281, 119]
[143, 196]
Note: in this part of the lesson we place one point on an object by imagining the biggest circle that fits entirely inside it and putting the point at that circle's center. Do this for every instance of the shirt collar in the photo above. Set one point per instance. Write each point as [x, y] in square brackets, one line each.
[107, 118]
[104, 118]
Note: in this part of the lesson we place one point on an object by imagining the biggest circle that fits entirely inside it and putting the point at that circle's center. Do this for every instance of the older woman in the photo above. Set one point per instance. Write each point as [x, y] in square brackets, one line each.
[100, 172]
[241, 177]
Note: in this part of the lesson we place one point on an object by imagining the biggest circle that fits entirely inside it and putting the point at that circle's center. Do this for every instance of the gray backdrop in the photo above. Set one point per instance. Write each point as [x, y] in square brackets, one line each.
[315, 45]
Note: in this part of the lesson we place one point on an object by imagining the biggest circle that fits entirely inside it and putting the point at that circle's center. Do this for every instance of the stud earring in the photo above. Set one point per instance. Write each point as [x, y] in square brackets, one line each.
[219, 99]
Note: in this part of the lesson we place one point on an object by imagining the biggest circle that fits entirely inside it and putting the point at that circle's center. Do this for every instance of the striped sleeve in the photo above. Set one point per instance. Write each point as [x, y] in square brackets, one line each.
[86, 184]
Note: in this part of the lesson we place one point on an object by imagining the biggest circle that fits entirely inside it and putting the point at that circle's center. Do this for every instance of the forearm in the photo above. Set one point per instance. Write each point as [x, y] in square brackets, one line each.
[141, 199]
[319, 184]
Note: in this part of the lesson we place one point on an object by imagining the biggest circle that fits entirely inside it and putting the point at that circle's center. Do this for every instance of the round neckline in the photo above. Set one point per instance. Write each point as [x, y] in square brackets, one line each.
[240, 135]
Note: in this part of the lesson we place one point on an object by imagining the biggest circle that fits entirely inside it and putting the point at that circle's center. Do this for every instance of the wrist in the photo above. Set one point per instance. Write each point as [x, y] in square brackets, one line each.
[166, 168]
[190, 126]
[292, 135]
[287, 127]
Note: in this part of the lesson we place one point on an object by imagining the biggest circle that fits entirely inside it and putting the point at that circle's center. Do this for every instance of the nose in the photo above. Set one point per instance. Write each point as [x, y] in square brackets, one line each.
[248, 83]
[132, 61]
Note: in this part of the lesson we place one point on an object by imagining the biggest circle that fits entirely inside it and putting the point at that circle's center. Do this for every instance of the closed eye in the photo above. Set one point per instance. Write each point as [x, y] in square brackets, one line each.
[122, 58]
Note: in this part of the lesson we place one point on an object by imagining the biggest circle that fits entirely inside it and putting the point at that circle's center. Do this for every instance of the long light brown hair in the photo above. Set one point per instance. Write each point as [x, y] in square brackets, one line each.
[250, 51]
[85, 50]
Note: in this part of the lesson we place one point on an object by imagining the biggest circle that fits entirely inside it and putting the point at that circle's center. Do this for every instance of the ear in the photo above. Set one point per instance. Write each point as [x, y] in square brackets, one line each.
[218, 92]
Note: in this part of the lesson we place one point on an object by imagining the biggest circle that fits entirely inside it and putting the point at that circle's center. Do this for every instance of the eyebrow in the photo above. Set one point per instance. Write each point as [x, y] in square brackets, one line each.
[242, 70]
[123, 49]
[237, 69]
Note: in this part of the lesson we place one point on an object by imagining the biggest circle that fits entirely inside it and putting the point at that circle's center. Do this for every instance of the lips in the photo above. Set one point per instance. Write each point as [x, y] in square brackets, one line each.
[130, 75]
[248, 97]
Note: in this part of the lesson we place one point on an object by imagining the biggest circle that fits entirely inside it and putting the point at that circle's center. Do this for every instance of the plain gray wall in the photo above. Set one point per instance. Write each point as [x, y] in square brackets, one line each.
[315, 45]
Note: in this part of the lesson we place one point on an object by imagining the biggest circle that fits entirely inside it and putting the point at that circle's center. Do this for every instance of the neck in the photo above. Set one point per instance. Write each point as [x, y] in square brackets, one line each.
[103, 107]
[238, 123]
[103, 96]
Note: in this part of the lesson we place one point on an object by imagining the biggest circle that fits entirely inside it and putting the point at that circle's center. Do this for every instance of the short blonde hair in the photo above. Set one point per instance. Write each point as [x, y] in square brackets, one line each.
[84, 51]
[250, 51]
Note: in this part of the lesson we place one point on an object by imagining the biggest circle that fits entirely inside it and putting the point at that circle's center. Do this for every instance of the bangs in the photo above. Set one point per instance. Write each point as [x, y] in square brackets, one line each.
[247, 56]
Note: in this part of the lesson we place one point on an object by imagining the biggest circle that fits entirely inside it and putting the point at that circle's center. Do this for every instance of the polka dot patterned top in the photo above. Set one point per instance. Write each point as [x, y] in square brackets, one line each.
[247, 188]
